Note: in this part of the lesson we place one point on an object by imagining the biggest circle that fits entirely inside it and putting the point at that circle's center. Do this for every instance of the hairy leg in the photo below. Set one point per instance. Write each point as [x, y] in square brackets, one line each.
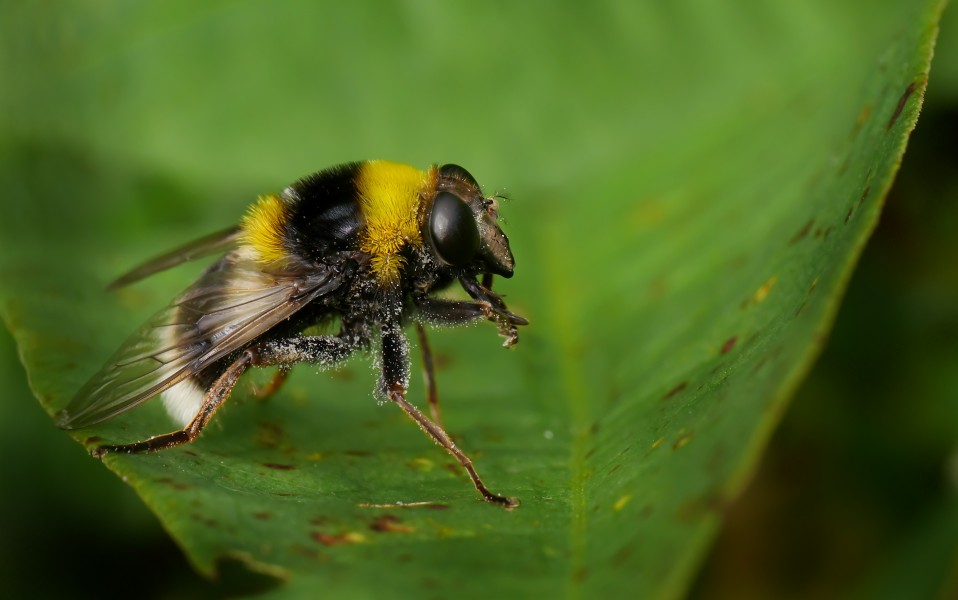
[324, 350]
[218, 392]
[395, 362]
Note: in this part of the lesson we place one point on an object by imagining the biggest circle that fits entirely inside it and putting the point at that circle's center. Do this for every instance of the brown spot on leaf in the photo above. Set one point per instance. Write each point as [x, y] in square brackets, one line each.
[622, 556]
[489, 434]
[190, 453]
[442, 361]
[301, 550]
[279, 466]
[347, 537]
[759, 365]
[863, 115]
[729, 344]
[93, 439]
[843, 168]
[269, 434]
[820, 339]
[343, 374]
[658, 288]
[201, 518]
[802, 233]
[263, 516]
[677, 389]
[390, 524]
[176, 485]
[901, 105]
[864, 195]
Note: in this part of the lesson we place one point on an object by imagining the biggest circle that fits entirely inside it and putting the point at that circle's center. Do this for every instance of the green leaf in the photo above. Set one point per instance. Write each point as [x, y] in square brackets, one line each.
[692, 185]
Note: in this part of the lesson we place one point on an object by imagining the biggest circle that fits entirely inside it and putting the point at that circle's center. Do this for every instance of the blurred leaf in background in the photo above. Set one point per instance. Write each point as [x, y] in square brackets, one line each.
[693, 184]
[858, 494]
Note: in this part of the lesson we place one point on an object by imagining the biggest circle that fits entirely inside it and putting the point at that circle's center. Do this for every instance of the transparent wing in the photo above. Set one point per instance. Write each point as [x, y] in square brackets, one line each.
[210, 244]
[231, 304]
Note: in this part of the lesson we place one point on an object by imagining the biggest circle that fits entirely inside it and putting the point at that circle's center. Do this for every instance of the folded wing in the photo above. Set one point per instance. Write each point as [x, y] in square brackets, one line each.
[230, 305]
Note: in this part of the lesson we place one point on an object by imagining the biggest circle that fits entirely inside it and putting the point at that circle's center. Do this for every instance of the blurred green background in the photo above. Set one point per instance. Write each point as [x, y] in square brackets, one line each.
[856, 493]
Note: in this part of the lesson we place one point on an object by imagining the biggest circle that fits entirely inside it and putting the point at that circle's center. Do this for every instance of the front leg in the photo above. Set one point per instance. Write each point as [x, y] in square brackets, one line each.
[485, 294]
[506, 321]
[456, 312]
[450, 312]
[395, 378]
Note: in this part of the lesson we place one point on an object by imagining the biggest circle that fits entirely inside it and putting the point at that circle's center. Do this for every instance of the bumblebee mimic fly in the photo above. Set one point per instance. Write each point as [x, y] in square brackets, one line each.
[366, 244]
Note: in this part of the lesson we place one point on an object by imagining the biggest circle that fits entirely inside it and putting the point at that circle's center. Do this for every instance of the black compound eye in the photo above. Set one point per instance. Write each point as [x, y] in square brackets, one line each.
[453, 230]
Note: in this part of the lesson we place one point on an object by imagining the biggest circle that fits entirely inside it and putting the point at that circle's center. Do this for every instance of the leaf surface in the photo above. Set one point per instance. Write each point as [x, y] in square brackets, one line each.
[692, 186]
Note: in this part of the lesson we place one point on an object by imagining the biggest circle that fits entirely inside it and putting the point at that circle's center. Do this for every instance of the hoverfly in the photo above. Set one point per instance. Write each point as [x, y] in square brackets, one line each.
[367, 243]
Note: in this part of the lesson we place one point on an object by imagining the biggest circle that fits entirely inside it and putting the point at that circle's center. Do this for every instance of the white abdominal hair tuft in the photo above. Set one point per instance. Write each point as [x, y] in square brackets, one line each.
[183, 401]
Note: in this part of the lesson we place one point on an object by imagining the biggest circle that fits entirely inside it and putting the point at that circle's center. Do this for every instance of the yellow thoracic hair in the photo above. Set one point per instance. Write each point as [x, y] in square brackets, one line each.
[390, 195]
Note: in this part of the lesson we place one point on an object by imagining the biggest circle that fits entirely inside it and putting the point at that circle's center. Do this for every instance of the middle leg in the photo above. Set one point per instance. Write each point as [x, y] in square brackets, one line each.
[432, 393]
[215, 396]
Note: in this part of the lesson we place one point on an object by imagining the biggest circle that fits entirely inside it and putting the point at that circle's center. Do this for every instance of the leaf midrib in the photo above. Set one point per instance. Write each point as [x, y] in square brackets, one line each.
[565, 320]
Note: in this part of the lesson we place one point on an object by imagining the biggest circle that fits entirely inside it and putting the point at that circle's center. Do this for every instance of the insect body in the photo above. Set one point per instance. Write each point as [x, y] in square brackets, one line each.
[367, 243]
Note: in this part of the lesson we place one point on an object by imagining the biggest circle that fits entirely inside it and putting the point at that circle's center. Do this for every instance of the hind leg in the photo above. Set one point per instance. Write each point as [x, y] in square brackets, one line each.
[323, 350]
[218, 392]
